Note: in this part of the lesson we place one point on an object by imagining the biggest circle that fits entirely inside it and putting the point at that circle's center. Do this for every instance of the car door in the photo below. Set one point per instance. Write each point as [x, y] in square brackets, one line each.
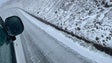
[7, 53]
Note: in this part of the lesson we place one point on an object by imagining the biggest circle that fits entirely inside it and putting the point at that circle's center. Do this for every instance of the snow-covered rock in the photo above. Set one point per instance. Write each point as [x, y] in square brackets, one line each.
[90, 19]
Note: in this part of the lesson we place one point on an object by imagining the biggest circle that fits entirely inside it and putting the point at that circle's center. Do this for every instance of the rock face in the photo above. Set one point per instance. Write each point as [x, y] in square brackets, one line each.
[90, 19]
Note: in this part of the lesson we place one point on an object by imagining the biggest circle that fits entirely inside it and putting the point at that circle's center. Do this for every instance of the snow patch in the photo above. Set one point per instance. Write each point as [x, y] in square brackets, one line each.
[95, 56]
[3, 1]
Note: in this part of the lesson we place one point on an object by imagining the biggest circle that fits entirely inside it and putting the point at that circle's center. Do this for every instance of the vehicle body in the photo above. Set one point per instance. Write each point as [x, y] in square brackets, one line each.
[12, 27]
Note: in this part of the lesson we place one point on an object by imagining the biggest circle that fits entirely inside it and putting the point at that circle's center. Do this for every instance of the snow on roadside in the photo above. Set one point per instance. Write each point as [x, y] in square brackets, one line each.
[20, 57]
[95, 56]
[90, 19]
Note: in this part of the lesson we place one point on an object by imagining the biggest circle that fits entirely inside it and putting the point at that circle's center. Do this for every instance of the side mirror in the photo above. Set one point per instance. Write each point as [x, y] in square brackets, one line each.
[14, 26]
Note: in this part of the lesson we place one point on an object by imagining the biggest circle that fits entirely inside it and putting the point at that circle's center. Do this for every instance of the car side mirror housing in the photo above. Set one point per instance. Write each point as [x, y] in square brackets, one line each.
[14, 25]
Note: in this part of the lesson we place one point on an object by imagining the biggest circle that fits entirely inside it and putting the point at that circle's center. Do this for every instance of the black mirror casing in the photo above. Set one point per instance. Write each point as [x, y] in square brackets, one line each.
[14, 25]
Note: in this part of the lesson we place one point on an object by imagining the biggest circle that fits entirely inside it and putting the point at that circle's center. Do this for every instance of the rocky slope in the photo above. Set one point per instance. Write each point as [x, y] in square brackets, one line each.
[90, 19]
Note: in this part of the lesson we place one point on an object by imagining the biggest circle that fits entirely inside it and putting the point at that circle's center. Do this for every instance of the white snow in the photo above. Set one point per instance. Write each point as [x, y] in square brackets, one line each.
[95, 56]
[3, 1]
[79, 10]
[71, 12]
[19, 51]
